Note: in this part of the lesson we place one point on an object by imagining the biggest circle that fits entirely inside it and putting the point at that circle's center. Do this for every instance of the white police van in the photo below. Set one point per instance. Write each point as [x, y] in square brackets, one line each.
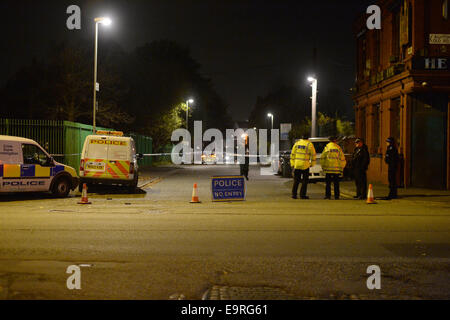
[109, 158]
[26, 167]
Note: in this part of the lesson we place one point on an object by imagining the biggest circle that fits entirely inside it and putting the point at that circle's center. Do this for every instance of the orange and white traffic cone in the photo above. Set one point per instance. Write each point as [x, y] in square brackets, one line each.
[370, 199]
[195, 195]
[84, 196]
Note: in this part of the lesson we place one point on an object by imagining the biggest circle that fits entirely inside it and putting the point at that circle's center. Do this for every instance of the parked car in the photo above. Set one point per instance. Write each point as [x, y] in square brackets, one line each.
[209, 158]
[26, 167]
[316, 172]
[284, 165]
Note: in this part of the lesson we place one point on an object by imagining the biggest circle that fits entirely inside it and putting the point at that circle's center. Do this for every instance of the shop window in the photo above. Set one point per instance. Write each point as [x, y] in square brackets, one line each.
[395, 119]
[445, 9]
[395, 36]
[377, 49]
[362, 57]
[375, 145]
[362, 123]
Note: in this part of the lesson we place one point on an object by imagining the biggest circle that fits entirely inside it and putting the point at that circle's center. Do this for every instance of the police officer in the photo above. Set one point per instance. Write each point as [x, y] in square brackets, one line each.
[333, 163]
[391, 159]
[245, 166]
[360, 164]
[303, 156]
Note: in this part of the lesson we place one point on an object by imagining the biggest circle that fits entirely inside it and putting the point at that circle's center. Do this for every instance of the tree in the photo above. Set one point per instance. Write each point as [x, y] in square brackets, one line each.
[286, 102]
[163, 77]
[62, 88]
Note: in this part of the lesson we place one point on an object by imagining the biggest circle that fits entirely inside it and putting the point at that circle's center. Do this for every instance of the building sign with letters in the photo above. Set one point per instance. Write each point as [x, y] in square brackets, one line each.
[439, 38]
[228, 188]
[422, 63]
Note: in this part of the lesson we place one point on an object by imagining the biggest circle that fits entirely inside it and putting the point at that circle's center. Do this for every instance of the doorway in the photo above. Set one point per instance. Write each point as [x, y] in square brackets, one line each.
[429, 141]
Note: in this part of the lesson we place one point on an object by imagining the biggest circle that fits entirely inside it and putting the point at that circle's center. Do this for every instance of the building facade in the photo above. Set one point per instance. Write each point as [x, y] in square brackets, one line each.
[403, 89]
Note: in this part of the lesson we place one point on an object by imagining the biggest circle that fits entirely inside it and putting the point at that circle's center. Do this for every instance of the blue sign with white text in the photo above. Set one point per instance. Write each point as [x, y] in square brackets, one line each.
[228, 188]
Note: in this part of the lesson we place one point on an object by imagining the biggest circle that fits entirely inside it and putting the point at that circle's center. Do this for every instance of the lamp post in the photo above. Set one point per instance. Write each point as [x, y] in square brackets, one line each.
[105, 21]
[187, 112]
[313, 105]
[270, 116]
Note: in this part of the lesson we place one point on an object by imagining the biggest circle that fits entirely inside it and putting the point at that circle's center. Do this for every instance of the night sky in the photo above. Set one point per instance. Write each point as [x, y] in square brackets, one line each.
[245, 47]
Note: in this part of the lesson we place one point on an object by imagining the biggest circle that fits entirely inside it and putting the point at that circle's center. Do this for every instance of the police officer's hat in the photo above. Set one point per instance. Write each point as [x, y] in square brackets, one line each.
[358, 140]
[390, 140]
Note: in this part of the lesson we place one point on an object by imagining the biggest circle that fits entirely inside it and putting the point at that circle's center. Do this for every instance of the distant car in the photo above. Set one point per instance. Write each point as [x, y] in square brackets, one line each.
[316, 171]
[209, 158]
[284, 165]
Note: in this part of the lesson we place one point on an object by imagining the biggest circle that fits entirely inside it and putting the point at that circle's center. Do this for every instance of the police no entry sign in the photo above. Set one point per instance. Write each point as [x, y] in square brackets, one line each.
[228, 188]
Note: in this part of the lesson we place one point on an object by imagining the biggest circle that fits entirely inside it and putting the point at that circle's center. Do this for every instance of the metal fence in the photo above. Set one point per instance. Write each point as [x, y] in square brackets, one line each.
[48, 133]
[144, 144]
[64, 139]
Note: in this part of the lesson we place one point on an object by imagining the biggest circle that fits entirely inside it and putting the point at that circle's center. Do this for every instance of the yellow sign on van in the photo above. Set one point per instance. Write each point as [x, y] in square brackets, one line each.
[113, 142]
[110, 133]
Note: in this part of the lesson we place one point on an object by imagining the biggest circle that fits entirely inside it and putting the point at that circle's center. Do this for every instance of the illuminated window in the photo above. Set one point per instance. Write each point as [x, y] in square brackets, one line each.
[445, 9]
[376, 128]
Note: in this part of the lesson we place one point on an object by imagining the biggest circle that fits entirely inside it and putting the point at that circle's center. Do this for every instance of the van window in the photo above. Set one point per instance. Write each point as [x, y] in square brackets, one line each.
[32, 154]
[95, 150]
[119, 152]
[9, 152]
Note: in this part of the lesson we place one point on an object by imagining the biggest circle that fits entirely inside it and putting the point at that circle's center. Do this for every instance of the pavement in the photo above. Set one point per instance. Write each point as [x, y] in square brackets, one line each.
[154, 244]
[413, 194]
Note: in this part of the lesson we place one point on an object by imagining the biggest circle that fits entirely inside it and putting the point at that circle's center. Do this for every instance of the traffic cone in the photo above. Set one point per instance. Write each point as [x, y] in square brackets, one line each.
[370, 199]
[195, 195]
[84, 196]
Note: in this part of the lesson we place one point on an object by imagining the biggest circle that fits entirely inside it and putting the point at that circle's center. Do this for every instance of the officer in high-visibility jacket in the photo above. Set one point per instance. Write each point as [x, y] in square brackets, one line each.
[333, 163]
[303, 156]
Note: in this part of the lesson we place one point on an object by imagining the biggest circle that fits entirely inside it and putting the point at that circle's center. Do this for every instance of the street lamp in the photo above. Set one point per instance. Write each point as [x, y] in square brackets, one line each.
[105, 21]
[187, 112]
[313, 105]
[270, 116]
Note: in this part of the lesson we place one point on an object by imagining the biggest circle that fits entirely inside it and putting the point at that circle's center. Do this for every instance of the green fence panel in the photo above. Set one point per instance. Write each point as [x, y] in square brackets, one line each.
[64, 140]
[144, 145]
[48, 133]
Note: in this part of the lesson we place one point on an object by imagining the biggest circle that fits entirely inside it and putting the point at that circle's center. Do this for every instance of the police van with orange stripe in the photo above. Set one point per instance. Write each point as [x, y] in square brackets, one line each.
[109, 158]
[26, 167]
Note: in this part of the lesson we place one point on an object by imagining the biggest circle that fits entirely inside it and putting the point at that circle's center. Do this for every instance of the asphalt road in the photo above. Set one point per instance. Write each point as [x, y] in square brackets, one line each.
[156, 245]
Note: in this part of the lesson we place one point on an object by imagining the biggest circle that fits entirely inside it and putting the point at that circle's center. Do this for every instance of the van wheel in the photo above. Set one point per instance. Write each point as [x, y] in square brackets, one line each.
[133, 186]
[61, 188]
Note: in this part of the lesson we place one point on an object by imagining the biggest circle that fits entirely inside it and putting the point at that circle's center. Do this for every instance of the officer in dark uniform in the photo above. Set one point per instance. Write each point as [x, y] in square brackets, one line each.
[360, 164]
[245, 166]
[391, 159]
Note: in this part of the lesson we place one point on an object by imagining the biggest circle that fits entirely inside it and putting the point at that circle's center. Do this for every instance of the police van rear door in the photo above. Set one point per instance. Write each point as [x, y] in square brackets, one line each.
[119, 158]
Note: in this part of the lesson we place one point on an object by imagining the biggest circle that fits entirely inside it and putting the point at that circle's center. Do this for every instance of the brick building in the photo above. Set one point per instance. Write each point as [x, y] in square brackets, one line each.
[403, 89]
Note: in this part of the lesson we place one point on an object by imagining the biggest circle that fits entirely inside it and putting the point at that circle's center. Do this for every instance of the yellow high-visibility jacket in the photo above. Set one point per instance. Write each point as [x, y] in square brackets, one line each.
[303, 155]
[332, 159]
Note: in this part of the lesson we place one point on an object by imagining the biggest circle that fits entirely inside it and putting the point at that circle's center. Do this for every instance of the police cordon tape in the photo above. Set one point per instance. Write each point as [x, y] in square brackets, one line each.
[169, 154]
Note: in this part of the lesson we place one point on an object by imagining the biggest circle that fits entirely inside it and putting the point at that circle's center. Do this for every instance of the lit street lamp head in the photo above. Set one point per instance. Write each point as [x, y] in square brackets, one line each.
[311, 79]
[270, 115]
[103, 20]
[191, 100]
